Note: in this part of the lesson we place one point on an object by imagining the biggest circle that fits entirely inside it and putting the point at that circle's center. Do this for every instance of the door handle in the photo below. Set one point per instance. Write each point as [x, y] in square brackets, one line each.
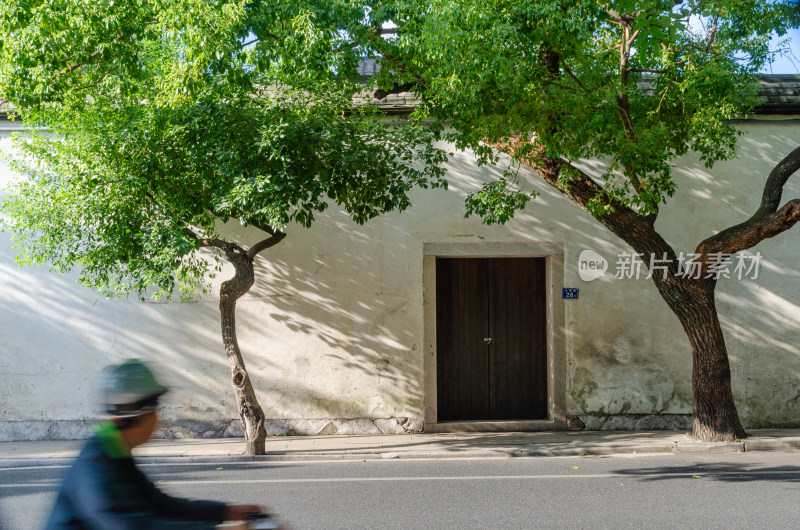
[487, 340]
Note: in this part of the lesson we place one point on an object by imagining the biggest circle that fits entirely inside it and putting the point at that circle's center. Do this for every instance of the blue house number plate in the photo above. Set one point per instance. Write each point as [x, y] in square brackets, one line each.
[569, 293]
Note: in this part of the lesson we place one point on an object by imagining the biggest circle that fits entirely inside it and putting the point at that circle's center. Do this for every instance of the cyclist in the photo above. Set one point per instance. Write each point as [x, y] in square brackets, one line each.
[105, 489]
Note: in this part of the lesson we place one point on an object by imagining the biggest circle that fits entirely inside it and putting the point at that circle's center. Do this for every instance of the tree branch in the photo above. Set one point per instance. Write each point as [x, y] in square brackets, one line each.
[252, 222]
[632, 39]
[773, 188]
[614, 14]
[712, 35]
[623, 221]
[620, 18]
[375, 39]
[753, 231]
[623, 103]
[232, 248]
[213, 242]
[103, 76]
[403, 68]
[686, 47]
[92, 56]
[551, 82]
[573, 76]
[649, 70]
[265, 228]
[638, 231]
[265, 244]
[768, 221]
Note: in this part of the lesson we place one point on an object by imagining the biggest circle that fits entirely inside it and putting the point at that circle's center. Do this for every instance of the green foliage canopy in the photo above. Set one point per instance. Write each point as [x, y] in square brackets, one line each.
[166, 128]
[633, 83]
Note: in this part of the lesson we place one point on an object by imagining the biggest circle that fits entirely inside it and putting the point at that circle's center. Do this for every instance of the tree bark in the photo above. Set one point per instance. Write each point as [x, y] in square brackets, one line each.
[714, 414]
[715, 417]
[250, 412]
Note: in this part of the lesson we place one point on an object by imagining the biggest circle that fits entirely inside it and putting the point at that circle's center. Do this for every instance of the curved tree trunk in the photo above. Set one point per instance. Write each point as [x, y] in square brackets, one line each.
[713, 408]
[250, 412]
[715, 418]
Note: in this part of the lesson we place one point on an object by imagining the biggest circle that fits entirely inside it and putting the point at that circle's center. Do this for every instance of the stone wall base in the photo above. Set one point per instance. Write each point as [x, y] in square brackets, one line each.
[656, 422]
[631, 422]
[23, 431]
[17, 431]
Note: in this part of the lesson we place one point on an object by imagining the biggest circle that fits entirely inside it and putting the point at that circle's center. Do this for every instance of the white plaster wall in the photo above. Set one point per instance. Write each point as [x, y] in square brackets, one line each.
[630, 355]
[332, 330]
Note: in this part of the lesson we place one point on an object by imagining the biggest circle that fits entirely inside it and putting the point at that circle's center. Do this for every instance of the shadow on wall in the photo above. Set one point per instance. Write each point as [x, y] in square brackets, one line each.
[58, 336]
[61, 335]
[344, 346]
[349, 303]
[332, 330]
[355, 293]
[646, 367]
[761, 317]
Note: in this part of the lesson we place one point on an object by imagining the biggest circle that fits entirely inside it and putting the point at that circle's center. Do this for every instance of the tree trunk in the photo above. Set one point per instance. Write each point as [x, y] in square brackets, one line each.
[250, 412]
[715, 418]
[715, 415]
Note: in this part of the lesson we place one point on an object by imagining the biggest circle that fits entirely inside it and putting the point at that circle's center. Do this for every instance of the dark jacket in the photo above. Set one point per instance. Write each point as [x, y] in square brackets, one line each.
[107, 490]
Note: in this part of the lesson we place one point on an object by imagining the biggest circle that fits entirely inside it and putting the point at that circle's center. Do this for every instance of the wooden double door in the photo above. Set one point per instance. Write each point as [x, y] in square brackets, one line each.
[491, 341]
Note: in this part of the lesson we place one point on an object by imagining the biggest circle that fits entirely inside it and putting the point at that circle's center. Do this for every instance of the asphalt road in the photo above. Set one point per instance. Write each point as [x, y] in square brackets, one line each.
[730, 490]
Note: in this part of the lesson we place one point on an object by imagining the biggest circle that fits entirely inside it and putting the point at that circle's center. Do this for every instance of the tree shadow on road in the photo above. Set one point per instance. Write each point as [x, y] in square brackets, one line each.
[717, 471]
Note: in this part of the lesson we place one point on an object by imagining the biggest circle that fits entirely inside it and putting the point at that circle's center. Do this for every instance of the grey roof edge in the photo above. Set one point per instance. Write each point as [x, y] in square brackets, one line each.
[781, 94]
[5, 108]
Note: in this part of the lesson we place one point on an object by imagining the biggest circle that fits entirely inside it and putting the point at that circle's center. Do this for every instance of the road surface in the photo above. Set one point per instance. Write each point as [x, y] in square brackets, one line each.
[729, 490]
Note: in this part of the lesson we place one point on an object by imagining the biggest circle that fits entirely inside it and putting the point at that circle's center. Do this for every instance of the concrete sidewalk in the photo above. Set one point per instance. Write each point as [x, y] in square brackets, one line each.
[466, 445]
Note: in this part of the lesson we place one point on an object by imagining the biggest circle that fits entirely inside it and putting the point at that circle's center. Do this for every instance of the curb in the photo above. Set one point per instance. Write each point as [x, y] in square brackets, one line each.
[772, 444]
[709, 447]
[681, 447]
[10, 463]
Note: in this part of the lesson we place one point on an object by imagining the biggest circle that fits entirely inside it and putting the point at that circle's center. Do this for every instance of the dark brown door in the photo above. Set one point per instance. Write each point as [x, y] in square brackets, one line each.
[490, 335]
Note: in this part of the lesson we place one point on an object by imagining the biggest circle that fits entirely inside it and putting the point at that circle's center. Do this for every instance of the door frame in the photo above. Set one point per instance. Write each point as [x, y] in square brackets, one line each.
[556, 346]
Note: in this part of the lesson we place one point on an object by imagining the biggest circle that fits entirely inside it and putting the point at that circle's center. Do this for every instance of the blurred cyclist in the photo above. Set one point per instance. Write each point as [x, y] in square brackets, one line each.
[105, 489]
